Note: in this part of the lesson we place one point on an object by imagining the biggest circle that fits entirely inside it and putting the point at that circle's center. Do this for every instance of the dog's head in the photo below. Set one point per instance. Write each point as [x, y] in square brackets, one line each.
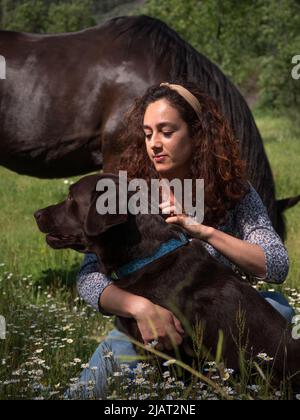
[70, 223]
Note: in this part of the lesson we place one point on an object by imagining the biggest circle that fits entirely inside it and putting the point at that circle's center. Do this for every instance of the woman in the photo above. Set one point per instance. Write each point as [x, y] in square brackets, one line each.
[177, 131]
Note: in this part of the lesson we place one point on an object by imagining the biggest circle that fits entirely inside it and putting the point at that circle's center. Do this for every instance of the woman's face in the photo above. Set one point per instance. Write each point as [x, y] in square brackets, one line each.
[167, 134]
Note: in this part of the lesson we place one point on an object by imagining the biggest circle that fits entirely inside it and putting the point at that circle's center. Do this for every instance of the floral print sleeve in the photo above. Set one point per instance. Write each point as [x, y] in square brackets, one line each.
[253, 225]
[91, 282]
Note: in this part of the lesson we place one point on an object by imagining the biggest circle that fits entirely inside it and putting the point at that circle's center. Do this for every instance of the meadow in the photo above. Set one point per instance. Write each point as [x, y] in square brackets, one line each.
[51, 333]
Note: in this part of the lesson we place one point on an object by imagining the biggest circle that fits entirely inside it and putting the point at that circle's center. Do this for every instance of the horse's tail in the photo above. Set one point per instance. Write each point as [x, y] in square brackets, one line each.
[281, 207]
[287, 203]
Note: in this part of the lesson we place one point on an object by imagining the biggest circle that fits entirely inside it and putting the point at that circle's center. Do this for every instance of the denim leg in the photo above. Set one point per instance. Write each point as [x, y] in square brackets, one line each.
[280, 303]
[93, 380]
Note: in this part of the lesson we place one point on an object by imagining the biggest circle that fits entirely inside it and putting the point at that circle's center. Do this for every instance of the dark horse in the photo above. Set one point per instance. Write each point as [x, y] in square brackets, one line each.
[64, 98]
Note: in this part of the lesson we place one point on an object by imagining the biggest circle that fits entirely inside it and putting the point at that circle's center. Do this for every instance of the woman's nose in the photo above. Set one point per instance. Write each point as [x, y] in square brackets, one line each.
[155, 141]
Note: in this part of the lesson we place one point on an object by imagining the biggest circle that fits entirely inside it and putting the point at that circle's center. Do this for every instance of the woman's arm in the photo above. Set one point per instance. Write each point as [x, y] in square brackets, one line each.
[259, 251]
[98, 291]
[91, 282]
[249, 257]
[254, 226]
[154, 321]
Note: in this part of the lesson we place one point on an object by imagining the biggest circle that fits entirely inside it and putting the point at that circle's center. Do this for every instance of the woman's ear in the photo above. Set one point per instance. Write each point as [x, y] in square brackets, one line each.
[96, 223]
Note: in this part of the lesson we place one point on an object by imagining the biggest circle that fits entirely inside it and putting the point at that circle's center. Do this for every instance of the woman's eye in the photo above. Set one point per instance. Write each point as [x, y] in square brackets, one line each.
[148, 136]
[168, 133]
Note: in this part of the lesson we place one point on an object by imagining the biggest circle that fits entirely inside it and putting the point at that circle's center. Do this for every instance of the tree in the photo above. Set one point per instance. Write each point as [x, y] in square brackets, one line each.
[30, 16]
[253, 41]
[69, 17]
[42, 16]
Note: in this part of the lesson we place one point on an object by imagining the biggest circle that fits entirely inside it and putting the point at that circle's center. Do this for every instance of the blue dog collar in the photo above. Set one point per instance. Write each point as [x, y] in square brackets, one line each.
[138, 263]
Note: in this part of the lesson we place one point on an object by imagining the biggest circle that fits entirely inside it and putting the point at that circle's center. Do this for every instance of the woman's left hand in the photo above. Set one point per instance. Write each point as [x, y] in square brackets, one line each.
[190, 224]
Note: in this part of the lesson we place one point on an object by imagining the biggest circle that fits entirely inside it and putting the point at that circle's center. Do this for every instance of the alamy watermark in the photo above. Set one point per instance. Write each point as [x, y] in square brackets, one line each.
[2, 328]
[2, 67]
[296, 68]
[139, 203]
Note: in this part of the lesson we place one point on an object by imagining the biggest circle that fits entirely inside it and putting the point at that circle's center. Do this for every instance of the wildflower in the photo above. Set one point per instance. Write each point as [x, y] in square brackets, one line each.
[17, 373]
[254, 388]
[141, 366]
[152, 344]
[124, 367]
[70, 341]
[117, 373]
[39, 372]
[140, 381]
[39, 351]
[76, 360]
[225, 376]
[228, 390]
[67, 327]
[264, 357]
[85, 366]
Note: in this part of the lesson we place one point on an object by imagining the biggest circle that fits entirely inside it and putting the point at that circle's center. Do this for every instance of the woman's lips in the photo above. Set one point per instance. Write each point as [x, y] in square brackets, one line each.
[160, 158]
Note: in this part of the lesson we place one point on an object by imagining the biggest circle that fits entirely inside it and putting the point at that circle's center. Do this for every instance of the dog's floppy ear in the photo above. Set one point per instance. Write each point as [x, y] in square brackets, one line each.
[96, 223]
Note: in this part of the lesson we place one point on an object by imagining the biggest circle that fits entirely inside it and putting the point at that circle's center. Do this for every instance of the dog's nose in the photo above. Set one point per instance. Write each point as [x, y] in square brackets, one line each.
[38, 214]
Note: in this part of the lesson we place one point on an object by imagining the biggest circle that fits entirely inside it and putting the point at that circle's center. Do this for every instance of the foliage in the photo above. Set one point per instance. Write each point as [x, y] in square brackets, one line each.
[65, 17]
[42, 16]
[253, 41]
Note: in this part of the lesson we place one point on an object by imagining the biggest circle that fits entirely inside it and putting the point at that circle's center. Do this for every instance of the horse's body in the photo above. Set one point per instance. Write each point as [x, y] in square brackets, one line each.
[64, 98]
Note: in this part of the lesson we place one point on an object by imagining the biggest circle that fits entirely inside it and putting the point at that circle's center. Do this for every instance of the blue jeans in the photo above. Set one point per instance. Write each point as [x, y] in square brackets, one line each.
[101, 365]
[113, 351]
[280, 303]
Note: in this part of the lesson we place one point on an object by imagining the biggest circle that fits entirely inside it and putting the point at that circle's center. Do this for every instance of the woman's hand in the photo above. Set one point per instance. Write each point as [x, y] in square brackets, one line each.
[190, 224]
[158, 323]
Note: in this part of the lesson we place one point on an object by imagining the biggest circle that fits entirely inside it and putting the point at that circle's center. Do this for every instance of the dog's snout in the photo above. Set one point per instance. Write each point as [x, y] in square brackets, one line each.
[38, 214]
[41, 220]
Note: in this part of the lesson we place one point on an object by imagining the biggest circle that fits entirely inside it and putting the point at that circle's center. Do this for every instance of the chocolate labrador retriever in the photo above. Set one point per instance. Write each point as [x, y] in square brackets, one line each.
[185, 278]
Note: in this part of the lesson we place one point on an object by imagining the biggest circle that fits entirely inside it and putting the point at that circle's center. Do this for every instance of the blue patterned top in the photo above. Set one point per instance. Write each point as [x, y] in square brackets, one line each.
[248, 221]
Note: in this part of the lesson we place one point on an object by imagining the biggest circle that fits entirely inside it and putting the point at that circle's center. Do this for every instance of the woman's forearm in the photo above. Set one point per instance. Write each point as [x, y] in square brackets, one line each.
[122, 303]
[249, 257]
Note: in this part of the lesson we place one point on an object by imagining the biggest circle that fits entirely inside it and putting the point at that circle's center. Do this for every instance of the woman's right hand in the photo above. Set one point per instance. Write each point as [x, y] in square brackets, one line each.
[158, 323]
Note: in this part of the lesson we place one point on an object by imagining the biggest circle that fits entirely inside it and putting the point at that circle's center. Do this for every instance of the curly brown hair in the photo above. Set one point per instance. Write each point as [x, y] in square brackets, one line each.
[216, 157]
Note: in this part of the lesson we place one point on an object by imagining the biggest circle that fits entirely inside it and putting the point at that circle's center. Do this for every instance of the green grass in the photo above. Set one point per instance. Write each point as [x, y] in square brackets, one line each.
[282, 143]
[38, 298]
